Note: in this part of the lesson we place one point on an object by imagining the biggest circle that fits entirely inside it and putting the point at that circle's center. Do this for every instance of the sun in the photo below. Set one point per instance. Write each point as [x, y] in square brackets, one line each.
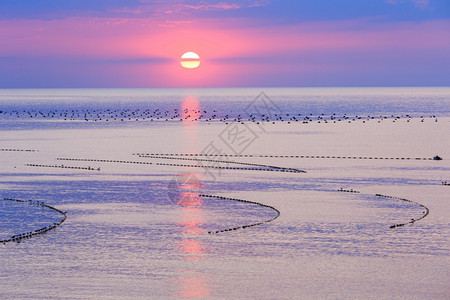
[190, 60]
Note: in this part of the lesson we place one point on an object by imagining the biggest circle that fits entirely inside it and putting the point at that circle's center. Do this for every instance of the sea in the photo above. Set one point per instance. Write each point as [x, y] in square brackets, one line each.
[225, 193]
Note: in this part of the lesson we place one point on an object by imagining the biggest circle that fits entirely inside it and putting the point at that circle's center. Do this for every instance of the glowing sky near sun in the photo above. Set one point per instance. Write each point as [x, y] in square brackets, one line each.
[138, 43]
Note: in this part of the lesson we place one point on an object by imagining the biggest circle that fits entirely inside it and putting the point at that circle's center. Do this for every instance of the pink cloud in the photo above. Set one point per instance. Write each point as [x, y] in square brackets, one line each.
[142, 52]
[125, 38]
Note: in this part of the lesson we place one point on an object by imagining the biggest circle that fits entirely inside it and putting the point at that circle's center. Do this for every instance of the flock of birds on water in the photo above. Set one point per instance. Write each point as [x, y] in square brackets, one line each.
[192, 115]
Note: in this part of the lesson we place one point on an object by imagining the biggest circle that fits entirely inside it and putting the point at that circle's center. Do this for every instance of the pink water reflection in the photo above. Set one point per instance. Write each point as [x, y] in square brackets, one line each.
[191, 283]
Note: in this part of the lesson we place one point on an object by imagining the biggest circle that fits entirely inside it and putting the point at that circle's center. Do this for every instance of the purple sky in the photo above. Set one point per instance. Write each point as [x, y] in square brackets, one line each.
[138, 43]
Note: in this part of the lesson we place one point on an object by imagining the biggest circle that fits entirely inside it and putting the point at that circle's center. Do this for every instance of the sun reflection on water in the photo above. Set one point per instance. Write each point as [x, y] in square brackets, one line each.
[190, 282]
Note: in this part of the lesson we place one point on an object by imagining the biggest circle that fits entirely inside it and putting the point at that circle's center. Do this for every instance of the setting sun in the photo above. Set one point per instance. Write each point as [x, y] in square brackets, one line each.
[190, 60]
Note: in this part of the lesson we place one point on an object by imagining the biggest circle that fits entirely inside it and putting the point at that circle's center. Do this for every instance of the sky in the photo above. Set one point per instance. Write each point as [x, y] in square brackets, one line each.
[256, 43]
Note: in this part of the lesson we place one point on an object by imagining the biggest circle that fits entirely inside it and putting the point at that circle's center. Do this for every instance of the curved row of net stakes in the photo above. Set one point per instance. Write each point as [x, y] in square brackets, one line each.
[89, 168]
[18, 150]
[284, 156]
[193, 157]
[425, 212]
[208, 158]
[254, 167]
[266, 167]
[25, 235]
[348, 191]
[243, 201]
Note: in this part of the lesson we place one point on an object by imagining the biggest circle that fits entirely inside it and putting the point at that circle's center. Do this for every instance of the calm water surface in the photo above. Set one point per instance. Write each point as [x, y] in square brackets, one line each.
[137, 225]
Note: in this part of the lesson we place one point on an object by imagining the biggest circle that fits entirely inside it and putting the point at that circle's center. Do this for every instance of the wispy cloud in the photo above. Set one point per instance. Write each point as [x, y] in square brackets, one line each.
[218, 6]
[185, 6]
[422, 4]
[170, 14]
[206, 5]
